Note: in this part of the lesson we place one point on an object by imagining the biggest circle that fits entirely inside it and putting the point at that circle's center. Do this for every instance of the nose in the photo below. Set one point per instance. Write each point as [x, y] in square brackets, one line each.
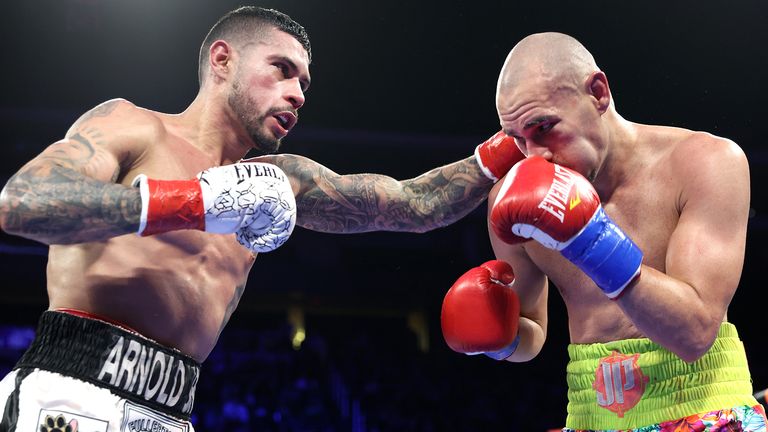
[294, 94]
[533, 149]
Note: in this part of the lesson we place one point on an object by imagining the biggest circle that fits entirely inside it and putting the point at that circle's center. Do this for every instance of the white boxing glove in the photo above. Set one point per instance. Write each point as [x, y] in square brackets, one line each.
[252, 199]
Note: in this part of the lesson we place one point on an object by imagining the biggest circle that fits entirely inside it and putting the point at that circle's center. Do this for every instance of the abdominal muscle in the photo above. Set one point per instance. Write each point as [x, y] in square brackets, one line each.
[177, 288]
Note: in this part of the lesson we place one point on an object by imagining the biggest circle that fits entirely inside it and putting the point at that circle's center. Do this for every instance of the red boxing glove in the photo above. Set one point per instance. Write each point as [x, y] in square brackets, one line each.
[497, 155]
[481, 311]
[561, 210]
[544, 201]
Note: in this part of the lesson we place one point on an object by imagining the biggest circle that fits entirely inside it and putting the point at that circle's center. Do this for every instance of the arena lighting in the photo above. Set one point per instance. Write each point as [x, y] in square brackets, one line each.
[298, 333]
[298, 338]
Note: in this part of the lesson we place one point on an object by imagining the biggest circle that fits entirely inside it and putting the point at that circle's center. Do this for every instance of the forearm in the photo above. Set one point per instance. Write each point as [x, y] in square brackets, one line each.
[446, 194]
[453, 190]
[671, 313]
[333, 203]
[532, 336]
[58, 205]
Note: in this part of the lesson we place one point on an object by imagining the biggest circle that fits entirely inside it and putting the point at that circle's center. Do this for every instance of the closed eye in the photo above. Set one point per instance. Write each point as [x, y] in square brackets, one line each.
[546, 127]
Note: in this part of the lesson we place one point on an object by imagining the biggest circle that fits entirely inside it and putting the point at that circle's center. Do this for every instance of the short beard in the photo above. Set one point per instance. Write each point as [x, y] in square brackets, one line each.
[241, 106]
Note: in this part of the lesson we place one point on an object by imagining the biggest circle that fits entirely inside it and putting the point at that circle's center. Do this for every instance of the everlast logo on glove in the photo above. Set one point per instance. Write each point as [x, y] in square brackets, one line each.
[246, 171]
[555, 201]
[150, 373]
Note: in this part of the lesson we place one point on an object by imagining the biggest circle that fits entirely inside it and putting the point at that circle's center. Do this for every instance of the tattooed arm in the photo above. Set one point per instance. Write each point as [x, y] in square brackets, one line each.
[67, 194]
[334, 203]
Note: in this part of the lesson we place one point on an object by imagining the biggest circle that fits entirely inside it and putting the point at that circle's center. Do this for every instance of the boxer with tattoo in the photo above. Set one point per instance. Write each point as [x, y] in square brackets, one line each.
[154, 221]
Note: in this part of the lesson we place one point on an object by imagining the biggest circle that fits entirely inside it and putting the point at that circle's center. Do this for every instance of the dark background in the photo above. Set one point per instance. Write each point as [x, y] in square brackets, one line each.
[398, 88]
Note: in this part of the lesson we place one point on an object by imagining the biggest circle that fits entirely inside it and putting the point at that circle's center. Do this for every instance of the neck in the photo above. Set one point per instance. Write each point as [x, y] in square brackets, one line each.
[621, 155]
[210, 125]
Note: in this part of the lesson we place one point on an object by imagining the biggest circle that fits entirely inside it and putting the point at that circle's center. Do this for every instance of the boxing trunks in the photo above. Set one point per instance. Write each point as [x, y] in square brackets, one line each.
[86, 375]
[635, 384]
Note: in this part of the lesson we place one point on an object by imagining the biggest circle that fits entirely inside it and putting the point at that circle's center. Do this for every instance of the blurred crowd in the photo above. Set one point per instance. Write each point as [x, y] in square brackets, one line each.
[353, 374]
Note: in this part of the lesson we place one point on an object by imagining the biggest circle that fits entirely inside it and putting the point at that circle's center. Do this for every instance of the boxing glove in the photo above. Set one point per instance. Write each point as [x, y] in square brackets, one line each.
[497, 155]
[481, 311]
[561, 210]
[253, 200]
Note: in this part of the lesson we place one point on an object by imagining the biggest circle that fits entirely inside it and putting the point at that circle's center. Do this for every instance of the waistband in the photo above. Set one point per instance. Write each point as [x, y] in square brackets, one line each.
[634, 382]
[128, 364]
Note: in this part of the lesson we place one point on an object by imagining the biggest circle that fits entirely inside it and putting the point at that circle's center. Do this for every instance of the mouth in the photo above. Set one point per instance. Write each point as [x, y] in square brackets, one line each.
[286, 120]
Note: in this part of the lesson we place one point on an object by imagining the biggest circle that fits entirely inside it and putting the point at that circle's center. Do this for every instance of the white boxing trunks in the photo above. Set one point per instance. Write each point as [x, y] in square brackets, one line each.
[85, 375]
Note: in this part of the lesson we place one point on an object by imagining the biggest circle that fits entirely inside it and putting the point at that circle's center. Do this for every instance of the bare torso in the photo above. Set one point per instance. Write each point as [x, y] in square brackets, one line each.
[646, 206]
[178, 288]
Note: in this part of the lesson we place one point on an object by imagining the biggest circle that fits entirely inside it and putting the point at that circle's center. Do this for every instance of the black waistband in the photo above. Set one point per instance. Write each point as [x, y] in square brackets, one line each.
[126, 363]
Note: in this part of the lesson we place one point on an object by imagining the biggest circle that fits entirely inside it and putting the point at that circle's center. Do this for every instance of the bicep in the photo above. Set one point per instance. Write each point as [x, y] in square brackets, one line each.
[532, 289]
[706, 249]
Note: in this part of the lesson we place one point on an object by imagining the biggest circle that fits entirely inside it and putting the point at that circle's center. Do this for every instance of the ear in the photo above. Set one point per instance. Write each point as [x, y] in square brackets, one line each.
[220, 56]
[597, 87]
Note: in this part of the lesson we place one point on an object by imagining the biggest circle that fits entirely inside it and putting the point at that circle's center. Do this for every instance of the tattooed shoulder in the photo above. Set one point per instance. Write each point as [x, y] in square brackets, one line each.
[102, 110]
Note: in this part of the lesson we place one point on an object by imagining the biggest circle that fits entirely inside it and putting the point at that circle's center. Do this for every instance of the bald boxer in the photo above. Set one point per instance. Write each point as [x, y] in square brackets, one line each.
[642, 230]
[154, 222]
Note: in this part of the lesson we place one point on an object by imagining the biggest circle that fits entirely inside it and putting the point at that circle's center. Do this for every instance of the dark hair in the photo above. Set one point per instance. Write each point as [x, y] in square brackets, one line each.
[249, 21]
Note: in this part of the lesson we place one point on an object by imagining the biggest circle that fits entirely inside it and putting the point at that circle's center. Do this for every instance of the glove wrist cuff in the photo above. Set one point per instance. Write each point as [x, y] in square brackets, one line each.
[505, 352]
[480, 154]
[605, 254]
[169, 205]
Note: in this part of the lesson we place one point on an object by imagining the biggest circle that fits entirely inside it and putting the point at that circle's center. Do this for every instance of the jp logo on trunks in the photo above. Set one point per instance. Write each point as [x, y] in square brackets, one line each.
[619, 382]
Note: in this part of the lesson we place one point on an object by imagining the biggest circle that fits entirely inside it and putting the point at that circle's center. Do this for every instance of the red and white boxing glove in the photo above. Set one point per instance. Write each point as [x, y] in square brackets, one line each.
[253, 199]
[497, 155]
[481, 312]
[560, 209]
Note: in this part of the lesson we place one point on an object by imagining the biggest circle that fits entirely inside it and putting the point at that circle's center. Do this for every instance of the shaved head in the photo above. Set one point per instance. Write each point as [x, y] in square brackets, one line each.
[554, 100]
[555, 58]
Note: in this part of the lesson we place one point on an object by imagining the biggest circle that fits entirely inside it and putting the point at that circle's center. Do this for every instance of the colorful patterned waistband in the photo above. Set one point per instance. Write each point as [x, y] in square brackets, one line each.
[631, 383]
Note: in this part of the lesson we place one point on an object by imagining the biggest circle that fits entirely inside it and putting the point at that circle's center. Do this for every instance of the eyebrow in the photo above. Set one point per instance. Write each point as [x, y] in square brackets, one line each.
[534, 122]
[304, 82]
